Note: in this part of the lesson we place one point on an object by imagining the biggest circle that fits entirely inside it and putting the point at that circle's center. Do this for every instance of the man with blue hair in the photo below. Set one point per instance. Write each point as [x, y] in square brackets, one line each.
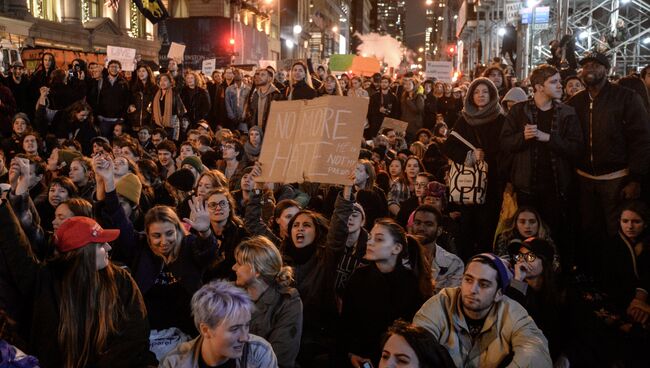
[479, 326]
[222, 314]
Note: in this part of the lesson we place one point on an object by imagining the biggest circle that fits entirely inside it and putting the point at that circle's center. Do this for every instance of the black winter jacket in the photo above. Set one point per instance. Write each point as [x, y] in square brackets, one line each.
[113, 99]
[565, 146]
[615, 128]
[301, 91]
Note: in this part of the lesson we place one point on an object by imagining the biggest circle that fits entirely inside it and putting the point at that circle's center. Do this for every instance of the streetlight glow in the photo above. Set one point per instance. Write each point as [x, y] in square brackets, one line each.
[289, 44]
[429, 2]
[421, 49]
[584, 34]
[646, 40]
[335, 29]
[297, 29]
[501, 31]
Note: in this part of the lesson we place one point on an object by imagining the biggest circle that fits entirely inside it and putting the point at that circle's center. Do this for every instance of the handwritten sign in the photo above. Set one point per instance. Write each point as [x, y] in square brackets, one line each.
[314, 140]
[397, 125]
[124, 55]
[176, 52]
[208, 66]
[441, 70]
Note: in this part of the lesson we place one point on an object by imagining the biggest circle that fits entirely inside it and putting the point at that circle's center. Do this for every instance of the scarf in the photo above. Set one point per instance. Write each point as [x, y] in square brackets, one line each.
[252, 151]
[164, 120]
[490, 112]
[301, 255]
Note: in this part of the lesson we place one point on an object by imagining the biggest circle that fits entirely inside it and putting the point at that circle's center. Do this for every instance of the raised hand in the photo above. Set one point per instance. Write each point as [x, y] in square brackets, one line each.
[199, 216]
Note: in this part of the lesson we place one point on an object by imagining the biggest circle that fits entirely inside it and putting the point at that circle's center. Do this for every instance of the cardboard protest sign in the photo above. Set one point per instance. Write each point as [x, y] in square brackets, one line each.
[124, 55]
[313, 140]
[208, 65]
[397, 125]
[176, 52]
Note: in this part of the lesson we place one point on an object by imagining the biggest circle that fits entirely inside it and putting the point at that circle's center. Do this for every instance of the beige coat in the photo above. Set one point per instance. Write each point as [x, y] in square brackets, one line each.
[508, 333]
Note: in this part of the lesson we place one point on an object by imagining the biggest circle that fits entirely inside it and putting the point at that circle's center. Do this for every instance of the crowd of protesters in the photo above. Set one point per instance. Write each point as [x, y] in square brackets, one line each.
[134, 233]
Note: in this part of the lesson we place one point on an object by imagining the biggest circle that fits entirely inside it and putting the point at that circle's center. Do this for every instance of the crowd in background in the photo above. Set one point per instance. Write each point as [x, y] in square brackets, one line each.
[134, 233]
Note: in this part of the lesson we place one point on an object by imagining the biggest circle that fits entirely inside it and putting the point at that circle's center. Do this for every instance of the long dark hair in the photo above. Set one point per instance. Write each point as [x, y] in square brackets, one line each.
[322, 227]
[413, 253]
[138, 86]
[277, 212]
[84, 328]
[78, 107]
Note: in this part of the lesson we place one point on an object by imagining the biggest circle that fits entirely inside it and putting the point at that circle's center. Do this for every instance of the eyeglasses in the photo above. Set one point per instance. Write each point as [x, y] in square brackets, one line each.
[421, 185]
[528, 257]
[227, 147]
[222, 204]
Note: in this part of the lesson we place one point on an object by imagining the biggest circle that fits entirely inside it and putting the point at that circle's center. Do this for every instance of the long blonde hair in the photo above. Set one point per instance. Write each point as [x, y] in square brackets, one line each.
[264, 257]
[166, 214]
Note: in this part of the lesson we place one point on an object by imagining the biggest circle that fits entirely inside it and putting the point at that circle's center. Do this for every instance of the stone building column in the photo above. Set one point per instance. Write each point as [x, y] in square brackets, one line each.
[71, 11]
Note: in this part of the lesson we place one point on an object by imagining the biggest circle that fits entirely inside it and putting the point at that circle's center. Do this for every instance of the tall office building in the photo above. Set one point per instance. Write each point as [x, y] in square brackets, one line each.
[389, 17]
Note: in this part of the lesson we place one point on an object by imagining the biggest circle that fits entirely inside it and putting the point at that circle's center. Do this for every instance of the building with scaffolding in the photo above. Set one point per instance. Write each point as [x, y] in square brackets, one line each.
[618, 28]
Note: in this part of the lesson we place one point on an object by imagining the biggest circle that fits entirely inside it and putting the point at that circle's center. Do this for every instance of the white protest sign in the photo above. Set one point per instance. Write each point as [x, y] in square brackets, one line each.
[313, 140]
[208, 66]
[441, 70]
[176, 52]
[124, 55]
[265, 63]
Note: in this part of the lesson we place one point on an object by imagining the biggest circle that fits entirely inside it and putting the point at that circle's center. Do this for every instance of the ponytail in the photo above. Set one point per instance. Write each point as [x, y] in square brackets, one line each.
[420, 265]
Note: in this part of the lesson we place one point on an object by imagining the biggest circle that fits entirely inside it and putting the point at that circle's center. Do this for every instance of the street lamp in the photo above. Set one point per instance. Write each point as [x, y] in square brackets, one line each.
[335, 29]
[289, 44]
[429, 2]
[297, 29]
[501, 31]
[421, 49]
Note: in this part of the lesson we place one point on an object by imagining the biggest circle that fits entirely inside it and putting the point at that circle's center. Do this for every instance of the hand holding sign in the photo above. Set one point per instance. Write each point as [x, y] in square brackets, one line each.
[315, 141]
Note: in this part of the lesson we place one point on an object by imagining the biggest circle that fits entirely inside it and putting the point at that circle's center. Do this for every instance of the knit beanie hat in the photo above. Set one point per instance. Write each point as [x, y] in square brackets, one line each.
[182, 180]
[359, 208]
[436, 189]
[195, 162]
[21, 115]
[503, 273]
[129, 187]
[66, 156]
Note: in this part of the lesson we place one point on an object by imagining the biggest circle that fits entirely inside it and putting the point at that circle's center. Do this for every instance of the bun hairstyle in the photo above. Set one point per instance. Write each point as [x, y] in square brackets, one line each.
[413, 253]
[265, 258]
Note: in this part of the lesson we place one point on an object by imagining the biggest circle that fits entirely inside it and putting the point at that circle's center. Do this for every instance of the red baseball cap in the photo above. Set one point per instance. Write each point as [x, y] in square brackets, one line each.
[79, 231]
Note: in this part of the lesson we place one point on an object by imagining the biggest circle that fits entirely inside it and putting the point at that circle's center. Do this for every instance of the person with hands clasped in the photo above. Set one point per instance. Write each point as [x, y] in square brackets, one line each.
[543, 136]
[167, 261]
